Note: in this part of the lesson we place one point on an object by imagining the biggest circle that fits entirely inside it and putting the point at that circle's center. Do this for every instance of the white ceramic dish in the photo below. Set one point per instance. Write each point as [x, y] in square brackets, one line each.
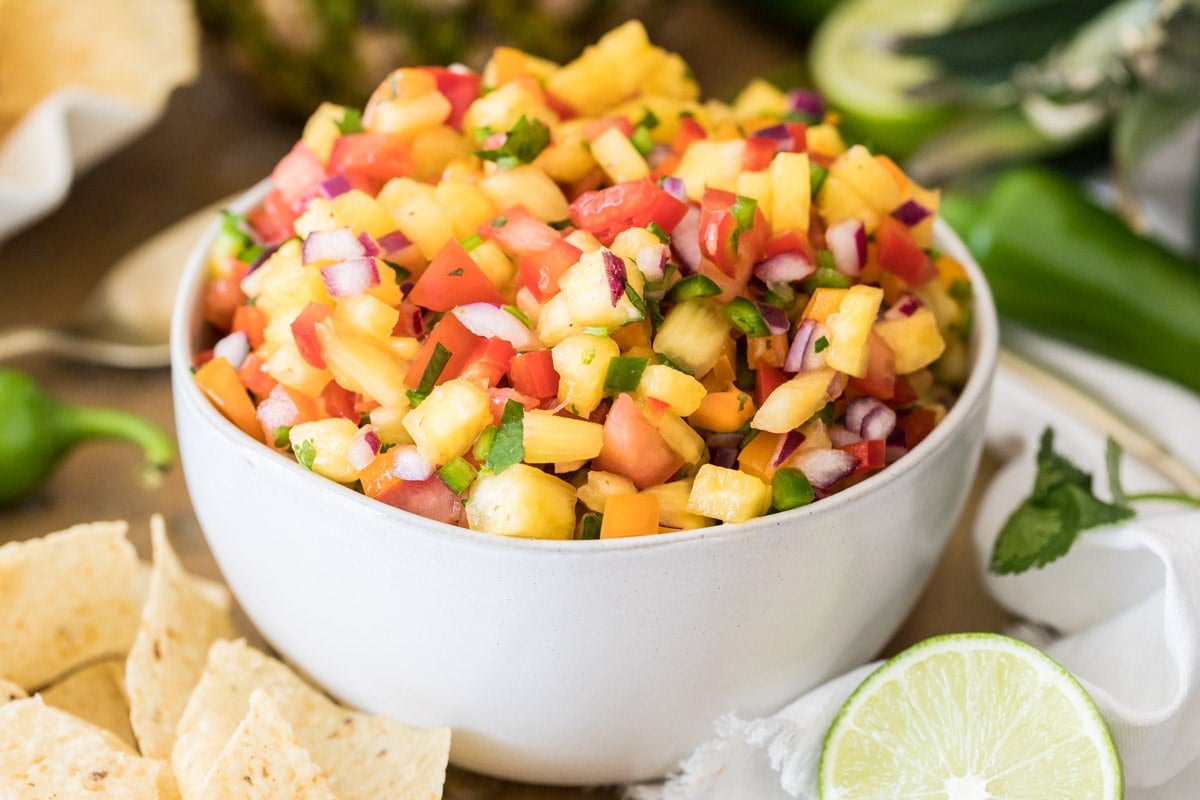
[577, 662]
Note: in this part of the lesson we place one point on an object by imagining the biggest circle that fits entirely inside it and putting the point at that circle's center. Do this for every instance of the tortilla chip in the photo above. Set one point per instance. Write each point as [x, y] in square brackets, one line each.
[68, 598]
[96, 694]
[363, 757]
[264, 760]
[134, 50]
[9, 691]
[180, 620]
[47, 753]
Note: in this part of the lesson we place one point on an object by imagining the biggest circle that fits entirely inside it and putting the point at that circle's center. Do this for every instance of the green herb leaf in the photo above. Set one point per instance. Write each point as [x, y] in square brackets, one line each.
[658, 232]
[522, 145]
[519, 315]
[642, 141]
[508, 446]
[589, 525]
[820, 344]
[1046, 524]
[471, 241]
[433, 368]
[306, 453]
[635, 300]
[649, 119]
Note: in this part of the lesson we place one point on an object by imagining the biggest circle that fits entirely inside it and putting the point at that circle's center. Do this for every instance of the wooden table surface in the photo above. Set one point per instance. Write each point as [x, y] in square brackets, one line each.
[214, 139]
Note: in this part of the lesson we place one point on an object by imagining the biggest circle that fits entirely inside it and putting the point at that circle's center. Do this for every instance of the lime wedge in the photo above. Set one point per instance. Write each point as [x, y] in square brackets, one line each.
[969, 717]
[853, 67]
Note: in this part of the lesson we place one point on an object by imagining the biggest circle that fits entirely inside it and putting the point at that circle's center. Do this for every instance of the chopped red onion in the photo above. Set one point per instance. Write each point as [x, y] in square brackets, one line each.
[807, 102]
[350, 277]
[652, 260]
[787, 266]
[858, 409]
[614, 270]
[910, 212]
[906, 306]
[363, 447]
[897, 445]
[723, 456]
[685, 241]
[775, 317]
[847, 241]
[370, 246]
[840, 436]
[787, 445]
[393, 242]
[675, 187]
[825, 466]
[489, 320]
[233, 348]
[803, 355]
[879, 424]
[408, 465]
[336, 245]
[334, 185]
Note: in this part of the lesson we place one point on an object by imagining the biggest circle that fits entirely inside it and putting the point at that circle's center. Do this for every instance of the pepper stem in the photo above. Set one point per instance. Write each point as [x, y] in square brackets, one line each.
[158, 449]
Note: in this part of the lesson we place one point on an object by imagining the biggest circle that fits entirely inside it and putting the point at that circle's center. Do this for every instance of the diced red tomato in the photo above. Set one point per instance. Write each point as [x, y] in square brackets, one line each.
[305, 333]
[338, 401]
[594, 128]
[222, 298]
[498, 398]
[916, 424]
[272, 221]
[369, 160]
[453, 279]
[411, 321]
[297, 174]
[452, 335]
[430, 498]
[519, 232]
[899, 254]
[489, 362]
[609, 211]
[460, 86]
[732, 255]
[251, 374]
[634, 448]
[758, 153]
[869, 452]
[689, 130]
[533, 374]
[767, 377]
[880, 378]
[789, 241]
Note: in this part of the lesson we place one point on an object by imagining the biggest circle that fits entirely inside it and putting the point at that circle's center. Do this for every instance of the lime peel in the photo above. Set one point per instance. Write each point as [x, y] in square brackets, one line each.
[965, 717]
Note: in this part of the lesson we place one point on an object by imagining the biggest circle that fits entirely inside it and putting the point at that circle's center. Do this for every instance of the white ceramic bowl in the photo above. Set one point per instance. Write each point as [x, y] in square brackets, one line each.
[577, 662]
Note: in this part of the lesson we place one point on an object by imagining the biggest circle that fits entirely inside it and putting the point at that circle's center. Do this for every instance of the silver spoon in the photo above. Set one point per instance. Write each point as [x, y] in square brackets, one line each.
[126, 320]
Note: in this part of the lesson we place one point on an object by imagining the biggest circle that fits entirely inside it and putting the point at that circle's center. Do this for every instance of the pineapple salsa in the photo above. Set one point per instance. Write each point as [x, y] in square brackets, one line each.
[576, 301]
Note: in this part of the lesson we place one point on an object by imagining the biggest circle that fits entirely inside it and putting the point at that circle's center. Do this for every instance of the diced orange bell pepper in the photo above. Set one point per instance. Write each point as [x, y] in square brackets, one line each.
[629, 515]
[219, 382]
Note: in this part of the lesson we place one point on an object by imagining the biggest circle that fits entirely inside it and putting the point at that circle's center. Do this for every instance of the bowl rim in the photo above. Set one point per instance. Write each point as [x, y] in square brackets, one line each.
[984, 354]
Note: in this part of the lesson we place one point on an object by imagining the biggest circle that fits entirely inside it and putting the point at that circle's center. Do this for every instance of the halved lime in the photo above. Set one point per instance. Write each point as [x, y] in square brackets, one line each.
[859, 75]
[973, 716]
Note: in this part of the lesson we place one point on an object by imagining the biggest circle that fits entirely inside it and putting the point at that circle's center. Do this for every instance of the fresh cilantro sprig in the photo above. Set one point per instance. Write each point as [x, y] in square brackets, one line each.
[522, 144]
[1043, 527]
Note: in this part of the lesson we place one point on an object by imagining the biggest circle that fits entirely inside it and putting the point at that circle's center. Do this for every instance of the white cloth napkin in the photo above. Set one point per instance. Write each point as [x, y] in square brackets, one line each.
[1121, 610]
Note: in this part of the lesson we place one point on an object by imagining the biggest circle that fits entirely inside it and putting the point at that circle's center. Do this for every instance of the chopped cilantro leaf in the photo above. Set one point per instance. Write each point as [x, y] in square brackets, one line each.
[522, 145]
[642, 141]
[455, 273]
[306, 453]
[820, 344]
[351, 122]
[635, 300]
[437, 363]
[649, 120]
[472, 241]
[508, 446]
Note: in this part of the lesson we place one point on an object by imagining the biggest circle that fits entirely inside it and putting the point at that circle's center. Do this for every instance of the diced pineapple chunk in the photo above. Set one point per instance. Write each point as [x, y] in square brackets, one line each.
[498, 267]
[759, 98]
[288, 367]
[791, 192]
[728, 494]
[757, 186]
[449, 421]
[794, 401]
[522, 501]
[600, 486]
[415, 210]
[678, 390]
[849, 327]
[825, 139]
[322, 129]
[362, 364]
[673, 505]
[568, 157]
[837, 201]
[629, 241]
[915, 340]
[581, 361]
[617, 156]
[681, 437]
[329, 440]
[711, 163]
[551, 439]
[588, 292]
[528, 186]
[554, 320]
[500, 110]
[693, 335]
[508, 63]
[606, 73]
[434, 148]
[389, 424]
[405, 103]
[367, 315]
[472, 207]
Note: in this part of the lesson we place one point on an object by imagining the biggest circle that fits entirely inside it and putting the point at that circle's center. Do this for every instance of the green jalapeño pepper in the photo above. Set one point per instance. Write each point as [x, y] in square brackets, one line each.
[36, 431]
[1060, 264]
